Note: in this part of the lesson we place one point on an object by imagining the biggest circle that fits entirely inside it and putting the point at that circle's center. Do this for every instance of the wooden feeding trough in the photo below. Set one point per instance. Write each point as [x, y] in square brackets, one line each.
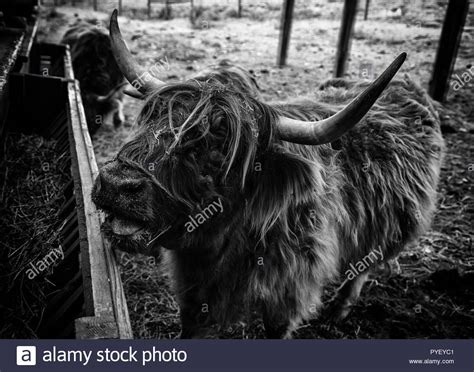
[39, 95]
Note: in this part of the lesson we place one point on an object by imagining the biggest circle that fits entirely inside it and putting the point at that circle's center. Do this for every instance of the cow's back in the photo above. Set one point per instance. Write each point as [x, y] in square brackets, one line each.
[388, 165]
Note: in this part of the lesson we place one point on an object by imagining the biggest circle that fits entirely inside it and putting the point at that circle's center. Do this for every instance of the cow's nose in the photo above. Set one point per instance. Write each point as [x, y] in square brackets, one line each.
[119, 179]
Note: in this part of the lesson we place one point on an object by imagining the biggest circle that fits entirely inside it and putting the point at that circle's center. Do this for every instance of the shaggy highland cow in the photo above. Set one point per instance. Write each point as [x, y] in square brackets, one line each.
[266, 204]
[100, 78]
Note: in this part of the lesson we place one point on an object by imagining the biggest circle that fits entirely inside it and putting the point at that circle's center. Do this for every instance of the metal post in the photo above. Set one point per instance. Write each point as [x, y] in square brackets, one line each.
[168, 9]
[345, 36]
[285, 30]
[366, 11]
[191, 14]
[448, 48]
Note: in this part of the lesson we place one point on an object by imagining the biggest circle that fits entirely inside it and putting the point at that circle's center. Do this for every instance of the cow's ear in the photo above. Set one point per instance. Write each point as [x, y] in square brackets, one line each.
[279, 179]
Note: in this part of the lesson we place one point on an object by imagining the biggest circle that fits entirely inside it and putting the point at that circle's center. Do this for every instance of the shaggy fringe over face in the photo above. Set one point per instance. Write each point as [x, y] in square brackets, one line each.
[195, 137]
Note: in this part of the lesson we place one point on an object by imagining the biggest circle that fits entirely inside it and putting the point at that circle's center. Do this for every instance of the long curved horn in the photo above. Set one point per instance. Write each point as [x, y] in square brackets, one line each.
[328, 130]
[140, 78]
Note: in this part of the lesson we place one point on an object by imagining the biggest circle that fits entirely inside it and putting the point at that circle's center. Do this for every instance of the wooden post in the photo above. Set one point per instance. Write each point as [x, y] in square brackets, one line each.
[95, 5]
[168, 9]
[345, 35]
[366, 11]
[448, 47]
[191, 14]
[240, 9]
[149, 8]
[120, 7]
[285, 30]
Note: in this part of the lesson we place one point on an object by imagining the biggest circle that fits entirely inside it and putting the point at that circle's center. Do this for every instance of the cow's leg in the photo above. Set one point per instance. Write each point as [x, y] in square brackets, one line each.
[194, 312]
[190, 327]
[299, 300]
[346, 296]
[282, 318]
[119, 117]
[191, 298]
[193, 319]
[277, 323]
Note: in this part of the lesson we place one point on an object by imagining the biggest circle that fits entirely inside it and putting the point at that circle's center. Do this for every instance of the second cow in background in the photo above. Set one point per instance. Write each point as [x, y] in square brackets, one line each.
[100, 78]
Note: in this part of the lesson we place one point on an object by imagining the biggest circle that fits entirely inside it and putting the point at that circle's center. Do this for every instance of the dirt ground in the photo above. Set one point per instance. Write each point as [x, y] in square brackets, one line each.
[429, 292]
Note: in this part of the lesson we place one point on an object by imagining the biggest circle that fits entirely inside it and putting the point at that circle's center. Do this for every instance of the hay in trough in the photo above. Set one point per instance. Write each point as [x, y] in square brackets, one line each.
[31, 194]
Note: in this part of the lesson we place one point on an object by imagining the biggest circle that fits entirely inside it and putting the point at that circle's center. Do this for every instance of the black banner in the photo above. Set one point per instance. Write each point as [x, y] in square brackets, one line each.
[235, 355]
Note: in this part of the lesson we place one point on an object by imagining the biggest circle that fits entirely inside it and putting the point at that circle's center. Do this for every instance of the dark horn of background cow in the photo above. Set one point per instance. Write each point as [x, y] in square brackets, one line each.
[330, 129]
[127, 64]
